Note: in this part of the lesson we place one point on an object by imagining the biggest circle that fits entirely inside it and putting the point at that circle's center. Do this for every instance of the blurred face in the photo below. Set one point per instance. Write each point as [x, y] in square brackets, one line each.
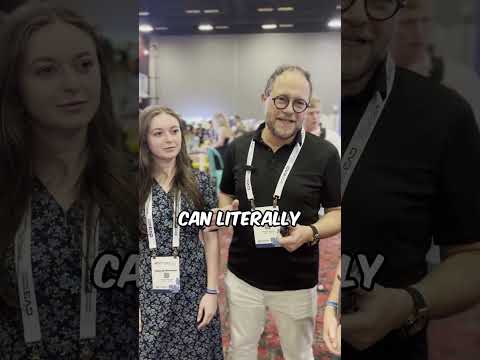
[60, 78]
[285, 123]
[312, 120]
[364, 42]
[412, 36]
[164, 137]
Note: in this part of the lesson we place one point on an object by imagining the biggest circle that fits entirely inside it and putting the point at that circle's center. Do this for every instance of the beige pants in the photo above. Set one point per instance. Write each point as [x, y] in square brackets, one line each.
[294, 313]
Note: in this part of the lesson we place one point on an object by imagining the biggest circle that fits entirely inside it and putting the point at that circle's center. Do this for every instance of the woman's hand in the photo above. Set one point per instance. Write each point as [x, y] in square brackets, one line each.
[332, 331]
[207, 309]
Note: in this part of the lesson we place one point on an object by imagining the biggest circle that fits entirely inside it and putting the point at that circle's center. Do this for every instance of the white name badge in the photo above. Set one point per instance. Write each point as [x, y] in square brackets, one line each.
[166, 273]
[266, 237]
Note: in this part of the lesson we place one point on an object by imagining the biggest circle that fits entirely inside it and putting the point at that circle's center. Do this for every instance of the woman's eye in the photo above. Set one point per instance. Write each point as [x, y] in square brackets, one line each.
[85, 65]
[45, 70]
[175, 131]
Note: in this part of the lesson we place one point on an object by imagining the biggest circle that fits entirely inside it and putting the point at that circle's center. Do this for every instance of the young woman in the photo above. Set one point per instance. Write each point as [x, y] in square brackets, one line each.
[178, 272]
[64, 192]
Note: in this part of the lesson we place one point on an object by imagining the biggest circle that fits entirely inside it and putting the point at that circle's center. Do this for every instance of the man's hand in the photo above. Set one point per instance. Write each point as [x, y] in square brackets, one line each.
[298, 236]
[232, 207]
[380, 311]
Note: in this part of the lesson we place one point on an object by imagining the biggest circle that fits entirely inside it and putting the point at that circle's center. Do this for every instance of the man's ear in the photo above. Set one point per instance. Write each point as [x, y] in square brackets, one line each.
[263, 98]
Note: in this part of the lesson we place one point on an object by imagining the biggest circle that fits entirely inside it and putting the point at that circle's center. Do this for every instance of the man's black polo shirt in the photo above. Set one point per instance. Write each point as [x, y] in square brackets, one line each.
[417, 179]
[313, 182]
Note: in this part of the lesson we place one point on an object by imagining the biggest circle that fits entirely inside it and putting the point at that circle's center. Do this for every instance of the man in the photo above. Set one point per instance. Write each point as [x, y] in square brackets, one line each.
[406, 177]
[281, 278]
[314, 126]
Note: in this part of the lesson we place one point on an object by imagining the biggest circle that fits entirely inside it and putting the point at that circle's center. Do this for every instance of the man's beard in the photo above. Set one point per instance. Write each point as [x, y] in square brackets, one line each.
[280, 134]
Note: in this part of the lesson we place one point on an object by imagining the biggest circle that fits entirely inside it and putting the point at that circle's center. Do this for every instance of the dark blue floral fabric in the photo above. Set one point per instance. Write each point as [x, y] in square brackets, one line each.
[56, 263]
[170, 319]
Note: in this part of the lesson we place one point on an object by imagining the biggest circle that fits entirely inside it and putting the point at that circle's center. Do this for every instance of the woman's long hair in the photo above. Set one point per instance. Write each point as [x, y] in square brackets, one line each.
[106, 176]
[184, 180]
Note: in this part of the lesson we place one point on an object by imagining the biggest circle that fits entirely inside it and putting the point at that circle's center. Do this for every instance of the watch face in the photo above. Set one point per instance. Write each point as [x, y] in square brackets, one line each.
[419, 323]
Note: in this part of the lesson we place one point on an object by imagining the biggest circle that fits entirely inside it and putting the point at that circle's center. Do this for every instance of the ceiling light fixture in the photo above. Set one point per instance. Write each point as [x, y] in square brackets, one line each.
[145, 28]
[335, 23]
[211, 11]
[161, 28]
[265, 9]
[143, 13]
[269, 26]
[286, 8]
[222, 27]
[205, 27]
[193, 11]
[286, 26]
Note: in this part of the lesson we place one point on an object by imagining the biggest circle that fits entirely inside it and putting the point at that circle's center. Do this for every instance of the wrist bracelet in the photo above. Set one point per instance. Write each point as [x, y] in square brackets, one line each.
[332, 304]
[212, 291]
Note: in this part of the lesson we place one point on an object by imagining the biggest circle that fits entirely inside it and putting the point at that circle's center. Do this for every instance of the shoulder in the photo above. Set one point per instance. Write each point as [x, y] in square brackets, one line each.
[203, 179]
[420, 91]
[242, 141]
[316, 146]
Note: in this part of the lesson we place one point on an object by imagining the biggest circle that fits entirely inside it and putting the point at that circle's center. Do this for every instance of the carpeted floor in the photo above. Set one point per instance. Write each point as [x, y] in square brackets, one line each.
[269, 346]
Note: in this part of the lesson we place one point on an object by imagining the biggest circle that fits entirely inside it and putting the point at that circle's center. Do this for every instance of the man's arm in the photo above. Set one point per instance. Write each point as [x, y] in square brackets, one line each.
[328, 225]
[454, 284]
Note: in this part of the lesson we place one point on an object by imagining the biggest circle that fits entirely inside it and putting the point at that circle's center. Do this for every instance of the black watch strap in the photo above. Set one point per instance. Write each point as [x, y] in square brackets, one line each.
[419, 319]
[418, 300]
[316, 235]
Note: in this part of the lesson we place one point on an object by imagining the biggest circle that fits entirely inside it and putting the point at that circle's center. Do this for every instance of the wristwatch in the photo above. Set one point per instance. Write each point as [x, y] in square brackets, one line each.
[316, 236]
[419, 319]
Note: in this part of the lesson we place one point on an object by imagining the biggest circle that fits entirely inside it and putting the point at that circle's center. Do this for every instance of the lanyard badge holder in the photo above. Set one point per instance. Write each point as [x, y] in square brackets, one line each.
[268, 237]
[365, 128]
[355, 149]
[26, 287]
[165, 269]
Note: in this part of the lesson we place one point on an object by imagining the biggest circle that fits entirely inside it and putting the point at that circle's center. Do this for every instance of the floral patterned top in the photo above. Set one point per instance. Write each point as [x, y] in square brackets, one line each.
[56, 262]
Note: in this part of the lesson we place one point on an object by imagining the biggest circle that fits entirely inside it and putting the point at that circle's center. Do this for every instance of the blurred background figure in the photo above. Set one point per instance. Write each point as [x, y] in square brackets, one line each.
[313, 124]
[412, 44]
[222, 132]
[421, 44]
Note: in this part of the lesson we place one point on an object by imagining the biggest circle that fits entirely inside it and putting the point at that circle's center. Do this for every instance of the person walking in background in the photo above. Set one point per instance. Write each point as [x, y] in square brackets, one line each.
[314, 126]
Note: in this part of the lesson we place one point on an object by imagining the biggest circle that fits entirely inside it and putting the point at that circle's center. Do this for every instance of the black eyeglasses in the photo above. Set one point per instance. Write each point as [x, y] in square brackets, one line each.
[377, 10]
[281, 102]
